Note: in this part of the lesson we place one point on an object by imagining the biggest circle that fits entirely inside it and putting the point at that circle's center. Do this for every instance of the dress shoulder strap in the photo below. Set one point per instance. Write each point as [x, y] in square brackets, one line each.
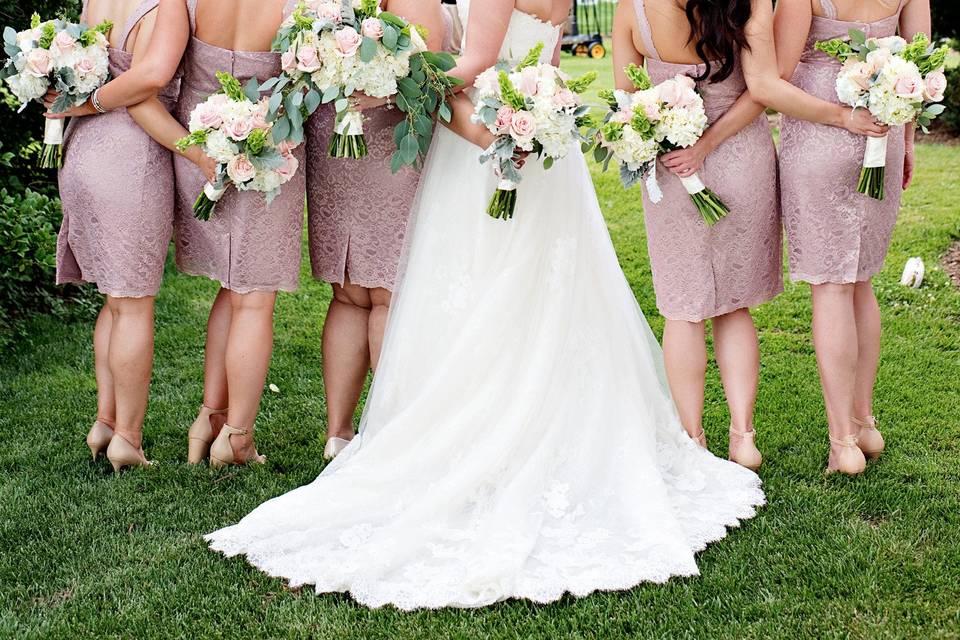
[829, 9]
[138, 14]
[646, 34]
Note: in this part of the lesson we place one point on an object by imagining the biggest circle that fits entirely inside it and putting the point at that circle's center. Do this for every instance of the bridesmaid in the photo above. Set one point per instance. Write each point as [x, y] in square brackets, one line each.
[702, 273]
[358, 212]
[250, 248]
[838, 238]
[109, 239]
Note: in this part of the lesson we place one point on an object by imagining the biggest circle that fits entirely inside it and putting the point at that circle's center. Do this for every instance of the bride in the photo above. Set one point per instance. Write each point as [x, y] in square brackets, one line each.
[519, 440]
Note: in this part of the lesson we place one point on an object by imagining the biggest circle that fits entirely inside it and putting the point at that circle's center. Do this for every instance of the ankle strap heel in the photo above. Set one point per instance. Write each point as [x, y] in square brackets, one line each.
[849, 459]
[745, 452]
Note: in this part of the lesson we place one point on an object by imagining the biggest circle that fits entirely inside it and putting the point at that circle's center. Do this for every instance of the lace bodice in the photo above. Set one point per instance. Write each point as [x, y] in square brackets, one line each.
[524, 33]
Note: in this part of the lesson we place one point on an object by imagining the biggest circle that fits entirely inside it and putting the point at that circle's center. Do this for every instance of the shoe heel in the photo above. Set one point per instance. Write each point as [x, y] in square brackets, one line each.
[122, 454]
[98, 438]
[197, 450]
[200, 435]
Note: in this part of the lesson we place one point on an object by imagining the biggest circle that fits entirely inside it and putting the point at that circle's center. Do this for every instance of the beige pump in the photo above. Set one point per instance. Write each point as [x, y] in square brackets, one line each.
[849, 460]
[745, 453]
[869, 439]
[122, 454]
[221, 453]
[99, 438]
[200, 436]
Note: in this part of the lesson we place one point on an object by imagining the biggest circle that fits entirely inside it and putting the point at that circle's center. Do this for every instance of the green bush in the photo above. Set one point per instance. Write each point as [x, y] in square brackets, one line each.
[950, 119]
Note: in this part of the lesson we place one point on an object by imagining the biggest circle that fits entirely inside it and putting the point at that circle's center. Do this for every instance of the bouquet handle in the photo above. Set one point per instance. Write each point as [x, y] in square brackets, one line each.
[51, 156]
[873, 175]
[712, 209]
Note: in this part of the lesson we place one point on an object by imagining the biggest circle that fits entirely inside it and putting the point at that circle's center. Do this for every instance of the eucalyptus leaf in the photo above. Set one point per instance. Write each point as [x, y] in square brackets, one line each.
[368, 49]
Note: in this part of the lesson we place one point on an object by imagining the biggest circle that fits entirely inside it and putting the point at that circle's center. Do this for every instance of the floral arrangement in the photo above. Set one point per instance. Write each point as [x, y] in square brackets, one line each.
[70, 58]
[653, 120]
[533, 107]
[232, 128]
[899, 82]
[332, 49]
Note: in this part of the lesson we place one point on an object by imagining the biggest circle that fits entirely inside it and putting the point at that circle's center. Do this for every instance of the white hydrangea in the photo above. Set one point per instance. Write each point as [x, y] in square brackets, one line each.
[682, 126]
[26, 87]
[633, 151]
[219, 147]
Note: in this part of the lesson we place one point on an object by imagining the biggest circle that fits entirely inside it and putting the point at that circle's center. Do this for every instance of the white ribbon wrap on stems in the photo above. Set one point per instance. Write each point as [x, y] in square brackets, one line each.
[506, 185]
[875, 154]
[351, 124]
[213, 193]
[53, 132]
[693, 184]
[653, 187]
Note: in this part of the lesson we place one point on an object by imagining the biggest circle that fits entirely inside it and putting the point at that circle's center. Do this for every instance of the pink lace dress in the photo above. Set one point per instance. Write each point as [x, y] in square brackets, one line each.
[835, 234]
[358, 209]
[117, 189]
[246, 245]
[701, 272]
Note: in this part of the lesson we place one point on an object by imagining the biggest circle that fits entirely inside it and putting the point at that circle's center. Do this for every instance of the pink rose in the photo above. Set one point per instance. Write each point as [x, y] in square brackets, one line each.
[218, 101]
[504, 116]
[308, 60]
[529, 81]
[671, 92]
[288, 61]
[239, 129]
[878, 59]
[240, 169]
[348, 41]
[906, 84]
[329, 12]
[372, 28]
[85, 66]
[935, 85]
[523, 126]
[685, 81]
[38, 62]
[652, 112]
[860, 73]
[289, 167]
[63, 42]
[286, 147]
[209, 117]
[565, 99]
[260, 119]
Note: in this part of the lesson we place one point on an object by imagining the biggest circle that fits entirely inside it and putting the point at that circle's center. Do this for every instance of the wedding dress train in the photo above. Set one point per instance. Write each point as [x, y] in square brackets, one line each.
[519, 440]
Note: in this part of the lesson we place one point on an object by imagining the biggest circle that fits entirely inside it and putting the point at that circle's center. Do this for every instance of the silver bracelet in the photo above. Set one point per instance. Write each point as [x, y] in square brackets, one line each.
[95, 101]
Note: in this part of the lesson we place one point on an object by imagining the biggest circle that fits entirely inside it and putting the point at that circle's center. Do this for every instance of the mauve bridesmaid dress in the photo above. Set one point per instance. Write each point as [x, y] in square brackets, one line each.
[117, 189]
[835, 234]
[246, 245]
[701, 272]
[358, 209]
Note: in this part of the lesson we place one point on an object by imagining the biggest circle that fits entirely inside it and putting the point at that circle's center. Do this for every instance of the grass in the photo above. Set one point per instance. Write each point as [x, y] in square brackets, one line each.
[84, 553]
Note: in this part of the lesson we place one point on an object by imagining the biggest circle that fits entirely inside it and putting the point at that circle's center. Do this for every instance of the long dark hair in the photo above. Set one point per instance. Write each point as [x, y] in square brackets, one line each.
[718, 29]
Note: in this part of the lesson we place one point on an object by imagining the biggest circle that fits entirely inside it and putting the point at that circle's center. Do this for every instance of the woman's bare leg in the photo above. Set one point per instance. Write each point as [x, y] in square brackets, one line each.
[737, 350]
[106, 400]
[346, 356]
[867, 314]
[131, 363]
[379, 310]
[685, 356]
[215, 389]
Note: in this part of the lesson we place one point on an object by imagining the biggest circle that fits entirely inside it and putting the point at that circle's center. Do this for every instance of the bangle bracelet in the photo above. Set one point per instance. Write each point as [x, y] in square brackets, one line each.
[95, 101]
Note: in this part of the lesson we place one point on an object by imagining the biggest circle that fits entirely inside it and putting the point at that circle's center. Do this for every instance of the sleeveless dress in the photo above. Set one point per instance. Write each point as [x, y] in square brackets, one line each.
[117, 190]
[246, 245]
[701, 272]
[519, 440]
[835, 234]
[358, 209]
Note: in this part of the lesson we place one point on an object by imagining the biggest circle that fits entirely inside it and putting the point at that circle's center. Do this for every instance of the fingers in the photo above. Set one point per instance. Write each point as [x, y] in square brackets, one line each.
[49, 115]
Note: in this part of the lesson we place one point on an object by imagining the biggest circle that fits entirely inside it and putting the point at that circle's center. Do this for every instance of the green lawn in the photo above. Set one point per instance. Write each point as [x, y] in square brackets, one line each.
[84, 553]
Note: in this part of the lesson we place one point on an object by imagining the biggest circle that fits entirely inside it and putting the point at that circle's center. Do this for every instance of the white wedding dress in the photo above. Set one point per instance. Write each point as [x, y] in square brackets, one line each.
[519, 440]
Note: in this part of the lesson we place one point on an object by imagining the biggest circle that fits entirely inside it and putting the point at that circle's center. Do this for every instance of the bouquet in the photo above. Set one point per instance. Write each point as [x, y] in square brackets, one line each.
[653, 120]
[533, 107]
[331, 49]
[70, 58]
[232, 128]
[898, 82]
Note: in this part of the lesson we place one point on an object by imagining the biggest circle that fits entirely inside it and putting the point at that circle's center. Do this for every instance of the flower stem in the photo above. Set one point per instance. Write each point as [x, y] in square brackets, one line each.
[51, 156]
[346, 146]
[502, 204]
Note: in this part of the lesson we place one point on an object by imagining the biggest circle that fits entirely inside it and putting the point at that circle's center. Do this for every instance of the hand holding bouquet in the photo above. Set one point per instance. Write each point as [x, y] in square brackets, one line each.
[533, 107]
[331, 49]
[232, 128]
[653, 120]
[70, 58]
[898, 82]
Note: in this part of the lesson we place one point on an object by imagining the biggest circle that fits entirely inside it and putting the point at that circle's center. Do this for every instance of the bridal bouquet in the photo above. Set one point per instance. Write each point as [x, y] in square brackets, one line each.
[533, 107]
[653, 120]
[70, 58]
[232, 128]
[331, 49]
[899, 82]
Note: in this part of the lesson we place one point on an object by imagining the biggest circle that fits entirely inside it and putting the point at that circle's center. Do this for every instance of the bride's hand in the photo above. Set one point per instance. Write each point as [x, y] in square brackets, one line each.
[686, 162]
[862, 123]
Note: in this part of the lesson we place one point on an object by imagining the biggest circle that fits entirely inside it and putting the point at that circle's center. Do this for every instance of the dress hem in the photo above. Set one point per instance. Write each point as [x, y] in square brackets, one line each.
[727, 308]
[235, 289]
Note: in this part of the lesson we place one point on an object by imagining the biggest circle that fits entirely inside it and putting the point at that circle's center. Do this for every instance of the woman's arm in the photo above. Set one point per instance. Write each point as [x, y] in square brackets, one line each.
[767, 87]
[426, 13]
[168, 31]
[791, 28]
[624, 51]
[914, 19]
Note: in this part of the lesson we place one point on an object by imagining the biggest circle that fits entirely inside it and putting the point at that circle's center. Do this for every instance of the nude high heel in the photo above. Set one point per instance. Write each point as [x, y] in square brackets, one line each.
[200, 436]
[221, 453]
[849, 460]
[122, 454]
[98, 438]
[869, 439]
[700, 438]
[334, 447]
[745, 453]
